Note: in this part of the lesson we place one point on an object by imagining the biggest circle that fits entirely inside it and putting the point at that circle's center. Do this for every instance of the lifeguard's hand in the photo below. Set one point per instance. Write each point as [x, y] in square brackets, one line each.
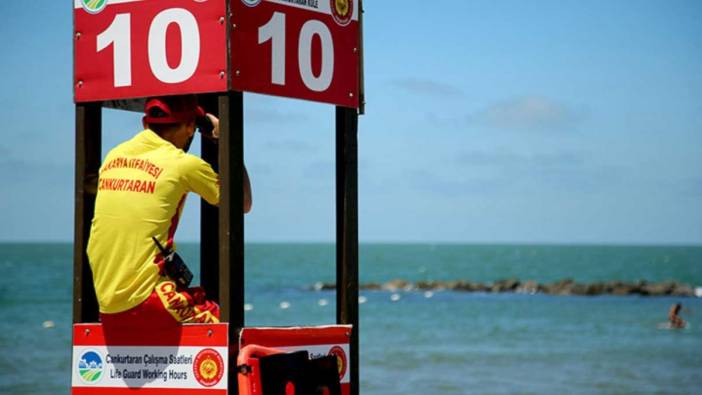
[215, 123]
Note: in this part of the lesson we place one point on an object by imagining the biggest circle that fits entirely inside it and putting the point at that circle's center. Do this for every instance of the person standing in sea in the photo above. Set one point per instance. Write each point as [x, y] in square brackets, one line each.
[674, 316]
[142, 187]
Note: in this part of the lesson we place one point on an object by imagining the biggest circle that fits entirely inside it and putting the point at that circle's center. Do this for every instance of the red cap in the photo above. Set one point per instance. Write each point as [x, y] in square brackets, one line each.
[167, 115]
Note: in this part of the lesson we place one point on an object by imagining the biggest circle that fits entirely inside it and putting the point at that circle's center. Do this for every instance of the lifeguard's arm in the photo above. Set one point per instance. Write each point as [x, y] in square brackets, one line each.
[248, 200]
[199, 177]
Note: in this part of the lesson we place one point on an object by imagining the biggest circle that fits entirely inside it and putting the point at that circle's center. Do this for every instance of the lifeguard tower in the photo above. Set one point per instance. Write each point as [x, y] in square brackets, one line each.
[127, 50]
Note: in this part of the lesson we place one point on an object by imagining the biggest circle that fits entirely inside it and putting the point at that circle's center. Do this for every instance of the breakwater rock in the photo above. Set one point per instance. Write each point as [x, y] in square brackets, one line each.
[562, 287]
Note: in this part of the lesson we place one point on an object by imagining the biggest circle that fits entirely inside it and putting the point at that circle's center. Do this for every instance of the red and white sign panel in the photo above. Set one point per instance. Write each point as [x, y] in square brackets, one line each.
[306, 49]
[136, 48]
[190, 360]
[316, 340]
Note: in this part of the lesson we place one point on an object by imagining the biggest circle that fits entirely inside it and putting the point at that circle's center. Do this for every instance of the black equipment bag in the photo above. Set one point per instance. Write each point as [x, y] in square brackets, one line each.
[317, 376]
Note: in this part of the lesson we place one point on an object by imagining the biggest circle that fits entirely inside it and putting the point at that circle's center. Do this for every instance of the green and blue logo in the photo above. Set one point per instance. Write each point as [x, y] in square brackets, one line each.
[90, 367]
[94, 6]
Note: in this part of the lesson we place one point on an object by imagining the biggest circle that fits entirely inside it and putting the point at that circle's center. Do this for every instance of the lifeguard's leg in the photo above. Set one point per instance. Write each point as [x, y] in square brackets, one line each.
[187, 306]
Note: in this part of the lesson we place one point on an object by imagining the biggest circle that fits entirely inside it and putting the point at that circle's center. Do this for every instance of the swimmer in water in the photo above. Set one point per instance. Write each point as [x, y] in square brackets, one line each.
[674, 318]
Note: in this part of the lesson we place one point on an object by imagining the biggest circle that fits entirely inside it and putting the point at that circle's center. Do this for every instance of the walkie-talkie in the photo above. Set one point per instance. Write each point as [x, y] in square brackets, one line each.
[175, 267]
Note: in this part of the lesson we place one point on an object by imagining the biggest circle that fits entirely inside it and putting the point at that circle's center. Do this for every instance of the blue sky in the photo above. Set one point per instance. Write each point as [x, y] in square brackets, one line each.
[487, 121]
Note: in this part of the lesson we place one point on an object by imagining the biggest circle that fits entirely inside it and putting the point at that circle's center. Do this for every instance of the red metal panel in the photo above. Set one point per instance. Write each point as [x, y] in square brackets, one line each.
[129, 61]
[295, 336]
[324, 340]
[185, 335]
[191, 358]
[255, 41]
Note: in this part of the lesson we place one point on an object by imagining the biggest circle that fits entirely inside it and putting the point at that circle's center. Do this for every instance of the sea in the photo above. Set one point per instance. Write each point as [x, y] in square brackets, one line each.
[413, 342]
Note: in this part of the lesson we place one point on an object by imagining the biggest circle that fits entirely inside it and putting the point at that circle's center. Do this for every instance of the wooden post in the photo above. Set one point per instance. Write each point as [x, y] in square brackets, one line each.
[361, 76]
[88, 143]
[209, 215]
[231, 215]
[347, 230]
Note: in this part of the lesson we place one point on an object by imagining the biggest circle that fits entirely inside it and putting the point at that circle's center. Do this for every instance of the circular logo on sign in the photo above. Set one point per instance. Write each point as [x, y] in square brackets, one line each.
[251, 3]
[208, 367]
[342, 10]
[341, 362]
[94, 6]
[90, 367]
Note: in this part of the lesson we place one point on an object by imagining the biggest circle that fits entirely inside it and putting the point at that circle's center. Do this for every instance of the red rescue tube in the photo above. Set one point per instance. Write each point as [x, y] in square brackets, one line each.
[255, 351]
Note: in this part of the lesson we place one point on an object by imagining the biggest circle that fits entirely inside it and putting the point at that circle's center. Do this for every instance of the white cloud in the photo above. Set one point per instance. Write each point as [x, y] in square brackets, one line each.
[528, 112]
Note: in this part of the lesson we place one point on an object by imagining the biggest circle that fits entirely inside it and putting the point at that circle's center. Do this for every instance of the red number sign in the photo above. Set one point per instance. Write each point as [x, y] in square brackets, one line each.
[136, 48]
[307, 49]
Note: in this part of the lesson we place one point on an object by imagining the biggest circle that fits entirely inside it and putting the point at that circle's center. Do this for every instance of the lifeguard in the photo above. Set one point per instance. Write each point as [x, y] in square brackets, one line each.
[142, 188]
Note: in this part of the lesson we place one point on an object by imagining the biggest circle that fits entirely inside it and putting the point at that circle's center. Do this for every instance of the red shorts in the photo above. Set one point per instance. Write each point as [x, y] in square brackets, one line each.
[167, 307]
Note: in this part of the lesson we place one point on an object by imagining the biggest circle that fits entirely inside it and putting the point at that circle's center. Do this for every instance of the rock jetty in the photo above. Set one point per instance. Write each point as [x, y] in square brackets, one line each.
[562, 287]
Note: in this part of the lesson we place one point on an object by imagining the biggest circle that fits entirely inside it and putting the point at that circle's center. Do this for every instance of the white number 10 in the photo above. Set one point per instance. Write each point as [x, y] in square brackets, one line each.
[274, 30]
[119, 34]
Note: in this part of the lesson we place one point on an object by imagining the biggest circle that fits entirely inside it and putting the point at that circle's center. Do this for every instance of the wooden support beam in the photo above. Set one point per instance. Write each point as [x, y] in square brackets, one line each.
[231, 216]
[209, 215]
[87, 145]
[347, 230]
[231, 208]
